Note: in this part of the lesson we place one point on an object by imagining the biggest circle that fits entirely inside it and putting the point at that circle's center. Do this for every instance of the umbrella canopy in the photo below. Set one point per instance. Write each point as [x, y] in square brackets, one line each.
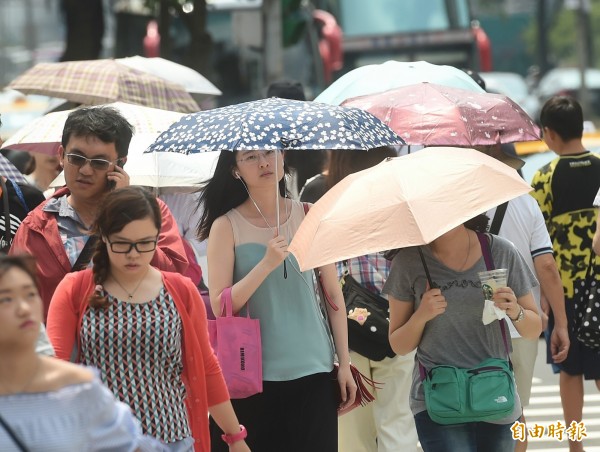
[191, 80]
[94, 82]
[165, 172]
[403, 201]
[45, 133]
[376, 78]
[276, 124]
[435, 115]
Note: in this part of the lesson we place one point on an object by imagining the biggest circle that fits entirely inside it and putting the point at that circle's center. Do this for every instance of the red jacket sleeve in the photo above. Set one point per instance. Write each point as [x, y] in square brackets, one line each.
[170, 253]
[63, 316]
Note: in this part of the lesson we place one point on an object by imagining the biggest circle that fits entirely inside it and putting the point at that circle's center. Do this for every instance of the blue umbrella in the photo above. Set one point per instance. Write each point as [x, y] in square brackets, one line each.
[275, 124]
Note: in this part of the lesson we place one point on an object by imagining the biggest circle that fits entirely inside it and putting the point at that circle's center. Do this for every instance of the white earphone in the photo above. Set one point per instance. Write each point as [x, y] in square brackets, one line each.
[236, 174]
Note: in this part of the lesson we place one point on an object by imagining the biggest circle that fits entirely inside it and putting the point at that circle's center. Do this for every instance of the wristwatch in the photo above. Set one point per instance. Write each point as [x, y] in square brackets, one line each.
[230, 439]
[520, 316]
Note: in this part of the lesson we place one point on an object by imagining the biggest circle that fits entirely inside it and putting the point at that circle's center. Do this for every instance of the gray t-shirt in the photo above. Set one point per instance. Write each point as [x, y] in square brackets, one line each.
[457, 337]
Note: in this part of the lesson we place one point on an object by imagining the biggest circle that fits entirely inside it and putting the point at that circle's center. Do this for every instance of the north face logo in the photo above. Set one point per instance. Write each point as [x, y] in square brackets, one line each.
[501, 399]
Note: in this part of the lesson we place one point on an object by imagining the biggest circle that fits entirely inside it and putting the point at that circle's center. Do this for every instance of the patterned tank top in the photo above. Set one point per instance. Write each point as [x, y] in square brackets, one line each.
[137, 349]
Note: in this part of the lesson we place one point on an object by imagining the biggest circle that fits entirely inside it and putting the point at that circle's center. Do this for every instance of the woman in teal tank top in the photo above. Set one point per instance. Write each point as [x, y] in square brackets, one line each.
[297, 410]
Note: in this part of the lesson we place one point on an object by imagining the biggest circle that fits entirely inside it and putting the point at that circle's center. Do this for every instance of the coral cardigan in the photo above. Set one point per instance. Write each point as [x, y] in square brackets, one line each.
[38, 235]
[201, 375]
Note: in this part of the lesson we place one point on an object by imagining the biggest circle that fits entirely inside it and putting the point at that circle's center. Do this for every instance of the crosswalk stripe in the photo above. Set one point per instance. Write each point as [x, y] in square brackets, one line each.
[537, 389]
[587, 398]
[530, 412]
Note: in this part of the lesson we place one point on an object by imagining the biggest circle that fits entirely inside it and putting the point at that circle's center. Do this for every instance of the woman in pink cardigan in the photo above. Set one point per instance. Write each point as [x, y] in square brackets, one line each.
[144, 329]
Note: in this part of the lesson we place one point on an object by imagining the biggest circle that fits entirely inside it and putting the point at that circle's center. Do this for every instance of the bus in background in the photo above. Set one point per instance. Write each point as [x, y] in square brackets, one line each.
[312, 49]
[437, 31]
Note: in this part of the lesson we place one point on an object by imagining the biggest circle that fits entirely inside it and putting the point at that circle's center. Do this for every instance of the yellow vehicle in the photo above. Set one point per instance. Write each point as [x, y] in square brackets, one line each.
[590, 141]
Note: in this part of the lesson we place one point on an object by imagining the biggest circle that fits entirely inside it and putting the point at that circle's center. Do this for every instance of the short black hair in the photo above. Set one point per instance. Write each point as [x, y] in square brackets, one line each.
[563, 114]
[105, 123]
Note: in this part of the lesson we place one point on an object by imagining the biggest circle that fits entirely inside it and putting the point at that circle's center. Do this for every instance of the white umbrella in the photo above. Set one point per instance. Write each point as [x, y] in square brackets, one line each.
[166, 172]
[376, 78]
[44, 134]
[191, 80]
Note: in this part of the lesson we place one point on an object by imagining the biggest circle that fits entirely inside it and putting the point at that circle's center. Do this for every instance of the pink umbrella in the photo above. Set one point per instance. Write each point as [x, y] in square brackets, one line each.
[435, 115]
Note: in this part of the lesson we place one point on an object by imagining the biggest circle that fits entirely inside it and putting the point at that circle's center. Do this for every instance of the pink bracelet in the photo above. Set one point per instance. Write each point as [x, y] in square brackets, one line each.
[230, 439]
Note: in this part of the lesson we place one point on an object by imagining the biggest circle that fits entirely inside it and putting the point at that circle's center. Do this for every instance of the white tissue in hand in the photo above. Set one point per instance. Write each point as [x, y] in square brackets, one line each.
[491, 313]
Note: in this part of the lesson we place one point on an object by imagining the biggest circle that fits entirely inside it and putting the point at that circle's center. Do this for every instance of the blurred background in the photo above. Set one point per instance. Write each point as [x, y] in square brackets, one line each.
[526, 49]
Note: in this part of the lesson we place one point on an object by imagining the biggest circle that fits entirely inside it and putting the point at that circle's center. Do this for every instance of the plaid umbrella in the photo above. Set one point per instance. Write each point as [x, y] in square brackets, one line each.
[275, 124]
[45, 133]
[96, 82]
[10, 171]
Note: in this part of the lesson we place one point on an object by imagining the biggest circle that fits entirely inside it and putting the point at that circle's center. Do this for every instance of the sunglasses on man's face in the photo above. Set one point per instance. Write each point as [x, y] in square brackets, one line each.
[97, 164]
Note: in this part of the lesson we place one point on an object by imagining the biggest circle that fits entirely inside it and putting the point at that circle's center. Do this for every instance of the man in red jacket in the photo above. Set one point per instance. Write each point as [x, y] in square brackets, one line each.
[93, 151]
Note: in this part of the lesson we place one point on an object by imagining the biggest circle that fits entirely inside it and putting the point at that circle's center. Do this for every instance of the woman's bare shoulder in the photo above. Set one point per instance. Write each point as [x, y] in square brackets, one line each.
[59, 373]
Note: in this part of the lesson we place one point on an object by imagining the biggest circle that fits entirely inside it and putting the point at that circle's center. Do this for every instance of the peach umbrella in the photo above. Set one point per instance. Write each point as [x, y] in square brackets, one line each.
[403, 201]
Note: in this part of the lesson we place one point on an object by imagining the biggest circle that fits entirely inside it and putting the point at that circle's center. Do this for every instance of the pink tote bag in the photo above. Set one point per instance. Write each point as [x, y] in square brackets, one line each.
[236, 342]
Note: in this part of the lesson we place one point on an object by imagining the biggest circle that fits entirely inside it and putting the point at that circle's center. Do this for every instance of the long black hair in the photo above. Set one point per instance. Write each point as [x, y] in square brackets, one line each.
[223, 192]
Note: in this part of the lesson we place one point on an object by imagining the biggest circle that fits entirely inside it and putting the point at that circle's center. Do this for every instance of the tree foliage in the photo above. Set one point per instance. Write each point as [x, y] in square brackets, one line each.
[563, 36]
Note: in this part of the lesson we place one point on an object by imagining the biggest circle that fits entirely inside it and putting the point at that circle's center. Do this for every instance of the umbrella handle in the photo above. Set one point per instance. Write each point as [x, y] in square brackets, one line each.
[277, 210]
[431, 284]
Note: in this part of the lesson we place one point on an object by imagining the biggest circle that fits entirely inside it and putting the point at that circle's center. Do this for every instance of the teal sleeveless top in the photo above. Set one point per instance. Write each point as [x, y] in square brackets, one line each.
[295, 339]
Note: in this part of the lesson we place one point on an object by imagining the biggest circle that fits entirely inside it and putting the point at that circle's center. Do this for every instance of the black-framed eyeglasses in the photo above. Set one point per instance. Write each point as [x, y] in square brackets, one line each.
[143, 246]
[97, 164]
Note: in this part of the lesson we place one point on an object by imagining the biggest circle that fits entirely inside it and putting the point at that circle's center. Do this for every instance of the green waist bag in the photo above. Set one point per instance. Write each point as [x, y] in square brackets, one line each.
[484, 393]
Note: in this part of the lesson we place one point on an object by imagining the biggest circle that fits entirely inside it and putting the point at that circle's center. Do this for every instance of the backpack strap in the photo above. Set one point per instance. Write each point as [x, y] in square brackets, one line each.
[498, 217]
[19, 193]
[85, 256]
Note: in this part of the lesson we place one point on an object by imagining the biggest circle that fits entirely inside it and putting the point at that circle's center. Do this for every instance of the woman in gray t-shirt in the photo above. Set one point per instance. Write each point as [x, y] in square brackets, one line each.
[445, 324]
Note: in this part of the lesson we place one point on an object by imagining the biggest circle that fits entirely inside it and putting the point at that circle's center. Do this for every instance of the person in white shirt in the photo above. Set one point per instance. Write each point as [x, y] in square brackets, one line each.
[524, 225]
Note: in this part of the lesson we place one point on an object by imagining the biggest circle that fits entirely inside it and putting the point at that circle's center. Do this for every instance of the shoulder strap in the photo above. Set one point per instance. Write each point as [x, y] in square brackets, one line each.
[85, 256]
[19, 193]
[320, 287]
[6, 211]
[485, 251]
[498, 217]
[489, 264]
[21, 446]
